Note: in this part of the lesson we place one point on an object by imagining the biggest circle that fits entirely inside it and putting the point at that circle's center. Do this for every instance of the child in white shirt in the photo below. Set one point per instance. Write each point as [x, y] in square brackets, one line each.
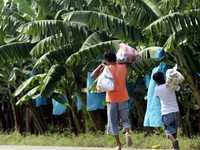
[169, 108]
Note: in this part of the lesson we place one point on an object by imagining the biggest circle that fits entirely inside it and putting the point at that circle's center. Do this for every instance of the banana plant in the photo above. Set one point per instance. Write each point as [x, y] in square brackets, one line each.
[117, 27]
[76, 33]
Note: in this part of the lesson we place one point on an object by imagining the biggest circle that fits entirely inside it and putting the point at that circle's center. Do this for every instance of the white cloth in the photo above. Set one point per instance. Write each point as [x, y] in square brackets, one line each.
[167, 99]
[174, 78]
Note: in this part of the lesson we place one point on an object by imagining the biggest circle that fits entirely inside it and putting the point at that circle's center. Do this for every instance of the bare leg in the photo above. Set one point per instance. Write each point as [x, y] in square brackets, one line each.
[119, 145]
[175, 143]
[127, 130]
[172, 138]
[128, 137]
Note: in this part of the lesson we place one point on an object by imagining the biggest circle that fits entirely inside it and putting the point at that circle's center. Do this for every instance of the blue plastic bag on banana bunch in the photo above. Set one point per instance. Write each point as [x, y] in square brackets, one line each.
[174, 78]
[105, 81]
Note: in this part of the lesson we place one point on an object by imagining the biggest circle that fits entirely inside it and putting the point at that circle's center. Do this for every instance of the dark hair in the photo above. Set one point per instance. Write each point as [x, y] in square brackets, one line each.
[159, 78]
[110, 56]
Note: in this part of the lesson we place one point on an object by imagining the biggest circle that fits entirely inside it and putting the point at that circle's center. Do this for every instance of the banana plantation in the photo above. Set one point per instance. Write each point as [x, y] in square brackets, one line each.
[48, 47]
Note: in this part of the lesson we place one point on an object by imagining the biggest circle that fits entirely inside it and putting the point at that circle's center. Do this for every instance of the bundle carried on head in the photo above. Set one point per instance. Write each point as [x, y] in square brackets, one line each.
[126, 54]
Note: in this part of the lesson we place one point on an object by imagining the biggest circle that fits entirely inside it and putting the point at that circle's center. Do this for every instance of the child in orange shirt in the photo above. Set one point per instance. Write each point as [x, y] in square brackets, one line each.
[117, 106]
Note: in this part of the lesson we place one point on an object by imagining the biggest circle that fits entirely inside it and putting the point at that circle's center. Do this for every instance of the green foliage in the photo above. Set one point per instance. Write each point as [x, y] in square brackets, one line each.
[96, 20]
[99, 140]
[64, 38]
[177, 26]
[93, 39]
[39, 30]
[93, 52]
[144, 66]
[52, 57]
[29, 84]
[28, 96]
[48, 44]
[52, 78]
[172, 5]
[146, 9]
[15, 51]
[175, 22]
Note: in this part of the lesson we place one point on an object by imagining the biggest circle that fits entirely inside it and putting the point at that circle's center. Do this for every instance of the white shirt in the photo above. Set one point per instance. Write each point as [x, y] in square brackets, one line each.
[167, 99]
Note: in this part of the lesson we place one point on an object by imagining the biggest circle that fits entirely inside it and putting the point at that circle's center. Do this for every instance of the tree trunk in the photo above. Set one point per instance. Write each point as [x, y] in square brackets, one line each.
[75, 120]
[39, 122]
[15, 113]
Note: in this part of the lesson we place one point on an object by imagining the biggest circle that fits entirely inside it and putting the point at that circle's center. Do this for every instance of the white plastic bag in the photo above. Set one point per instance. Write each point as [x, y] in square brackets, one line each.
[174, 78]
[105, 81]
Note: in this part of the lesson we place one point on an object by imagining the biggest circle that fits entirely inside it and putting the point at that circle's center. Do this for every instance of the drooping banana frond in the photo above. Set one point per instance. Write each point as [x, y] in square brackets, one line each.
[29, 84]
[191, 4]
[73, 4]
[52, 57]
[39, 30]
[185, 56]
[53, 76]
[181, 38]
[149, 5]
[60, 13]
[140, 13]
[51, 43]
[46, 9]
[28, 96]
[143, 12]
[15, 51]
[174, 22]
[170, 5]
[16, 74]
[96, 20]
[94, 52]
[11, 23]
[93, 39]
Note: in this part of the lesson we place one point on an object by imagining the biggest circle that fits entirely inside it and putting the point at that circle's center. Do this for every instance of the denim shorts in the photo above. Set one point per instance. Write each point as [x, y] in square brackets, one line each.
[117, 113]
[171, 122]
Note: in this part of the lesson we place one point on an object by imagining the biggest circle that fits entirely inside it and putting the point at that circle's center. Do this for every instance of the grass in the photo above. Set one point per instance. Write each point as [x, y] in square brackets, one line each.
[96, 140]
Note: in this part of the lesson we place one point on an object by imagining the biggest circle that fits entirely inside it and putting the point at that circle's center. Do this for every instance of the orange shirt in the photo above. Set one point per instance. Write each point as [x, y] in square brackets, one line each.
[119, 94]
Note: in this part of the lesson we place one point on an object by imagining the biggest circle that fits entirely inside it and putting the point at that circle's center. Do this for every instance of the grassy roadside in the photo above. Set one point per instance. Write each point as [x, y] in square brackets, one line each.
[98, 140]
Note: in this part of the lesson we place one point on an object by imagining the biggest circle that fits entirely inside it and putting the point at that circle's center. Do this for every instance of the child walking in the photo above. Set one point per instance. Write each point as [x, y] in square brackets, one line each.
[117, 100]
[169, 108]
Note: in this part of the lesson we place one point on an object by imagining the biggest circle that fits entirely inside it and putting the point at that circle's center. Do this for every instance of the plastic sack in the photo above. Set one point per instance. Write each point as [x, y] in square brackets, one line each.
[79, 104]
[40, 101]
[105, 81]
[95, 101]
[58, 108]
[174, 78]
[126, 54]
[153, 116]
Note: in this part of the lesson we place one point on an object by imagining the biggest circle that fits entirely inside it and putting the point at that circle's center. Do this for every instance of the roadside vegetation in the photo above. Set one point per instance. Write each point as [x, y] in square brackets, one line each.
[96, 140]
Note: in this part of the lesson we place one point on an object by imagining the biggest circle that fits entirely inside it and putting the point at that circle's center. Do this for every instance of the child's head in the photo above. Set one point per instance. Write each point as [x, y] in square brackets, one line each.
[159, 78]
[110, 57]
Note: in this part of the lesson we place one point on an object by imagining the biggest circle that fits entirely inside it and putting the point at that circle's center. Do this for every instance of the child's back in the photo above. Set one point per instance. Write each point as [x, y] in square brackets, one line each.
[169, 108]
[167, 99]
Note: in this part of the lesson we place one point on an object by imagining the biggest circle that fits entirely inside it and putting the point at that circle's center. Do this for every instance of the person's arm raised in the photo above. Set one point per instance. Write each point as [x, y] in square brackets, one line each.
[97, 71]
